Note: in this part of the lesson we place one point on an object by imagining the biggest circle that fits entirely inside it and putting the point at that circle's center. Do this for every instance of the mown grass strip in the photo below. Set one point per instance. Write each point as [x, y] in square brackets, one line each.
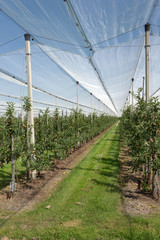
[84, 205]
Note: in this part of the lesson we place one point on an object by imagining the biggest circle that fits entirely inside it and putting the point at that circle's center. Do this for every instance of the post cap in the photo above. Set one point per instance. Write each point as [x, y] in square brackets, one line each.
[27, 36]
[147, 27]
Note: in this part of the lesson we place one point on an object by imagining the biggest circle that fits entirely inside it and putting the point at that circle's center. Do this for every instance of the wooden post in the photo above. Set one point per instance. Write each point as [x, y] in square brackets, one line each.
[147, 60]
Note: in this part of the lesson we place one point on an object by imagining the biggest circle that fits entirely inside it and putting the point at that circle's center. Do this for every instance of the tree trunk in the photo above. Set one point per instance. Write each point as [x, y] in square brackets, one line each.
[13, 165]
[28, 155]
[16, 171]
[47, 136]
[149, 173]
[143, 169]
[155, 185]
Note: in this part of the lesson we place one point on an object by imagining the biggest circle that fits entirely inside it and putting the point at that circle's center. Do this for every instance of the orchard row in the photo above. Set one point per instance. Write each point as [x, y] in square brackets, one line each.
[56, 136]
[140, 130]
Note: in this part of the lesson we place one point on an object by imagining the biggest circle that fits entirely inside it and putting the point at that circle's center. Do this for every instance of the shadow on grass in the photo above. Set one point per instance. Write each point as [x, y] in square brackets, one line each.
[108, 162]
[109, 170]
[112, 139]
[111, 187]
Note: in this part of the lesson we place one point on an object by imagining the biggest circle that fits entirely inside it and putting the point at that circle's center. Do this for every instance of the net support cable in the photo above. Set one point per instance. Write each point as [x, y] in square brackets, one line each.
[114, 37]
[40, 89]
[43, 51]
[48, 104]
[135, 72]
[19, 107]
[155, 92]
[70, 7]
[102, 83]
[153, 9]
[72, 11]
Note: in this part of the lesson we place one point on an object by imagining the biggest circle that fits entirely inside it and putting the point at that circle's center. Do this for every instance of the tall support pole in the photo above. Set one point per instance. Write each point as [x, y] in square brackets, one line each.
[147, 71]
[22, 112]
[129, 97]
[127, 103]
[99, 107]
[91, 106]
[147, 59]
[56, 103]
[143, 89]
[29, 83]
[77, 97]
[132, 92]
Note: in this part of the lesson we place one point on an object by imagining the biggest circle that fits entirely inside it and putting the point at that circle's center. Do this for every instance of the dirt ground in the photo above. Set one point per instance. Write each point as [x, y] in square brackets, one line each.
[134, 202]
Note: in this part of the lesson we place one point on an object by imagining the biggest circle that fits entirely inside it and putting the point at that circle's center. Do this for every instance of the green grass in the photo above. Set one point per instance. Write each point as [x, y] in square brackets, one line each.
[6, 173]
[94, 184]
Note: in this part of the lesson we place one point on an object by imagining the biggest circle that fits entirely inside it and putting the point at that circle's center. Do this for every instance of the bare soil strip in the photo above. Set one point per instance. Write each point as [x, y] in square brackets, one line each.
[134, 202]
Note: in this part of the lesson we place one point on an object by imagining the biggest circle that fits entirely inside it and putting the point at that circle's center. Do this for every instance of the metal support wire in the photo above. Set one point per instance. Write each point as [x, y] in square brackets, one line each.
[70, 7]
[139, 57]
[47, 104]
[70, 77]
[37, 109]
[79, 26]
[155, 92]
[16, 107]
[39, 89]
[73, 13]
[152, 11]
[5, 43]
[102, 83]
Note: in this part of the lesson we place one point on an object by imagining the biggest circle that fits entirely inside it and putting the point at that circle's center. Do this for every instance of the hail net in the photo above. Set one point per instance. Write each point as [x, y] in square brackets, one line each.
[99, 44]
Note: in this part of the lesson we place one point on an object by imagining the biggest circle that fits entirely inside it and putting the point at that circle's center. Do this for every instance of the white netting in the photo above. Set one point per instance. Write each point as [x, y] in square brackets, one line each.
[100, 44]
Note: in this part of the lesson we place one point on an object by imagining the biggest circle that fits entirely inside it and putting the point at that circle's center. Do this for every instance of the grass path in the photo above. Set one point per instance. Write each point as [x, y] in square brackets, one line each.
[85, 205]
